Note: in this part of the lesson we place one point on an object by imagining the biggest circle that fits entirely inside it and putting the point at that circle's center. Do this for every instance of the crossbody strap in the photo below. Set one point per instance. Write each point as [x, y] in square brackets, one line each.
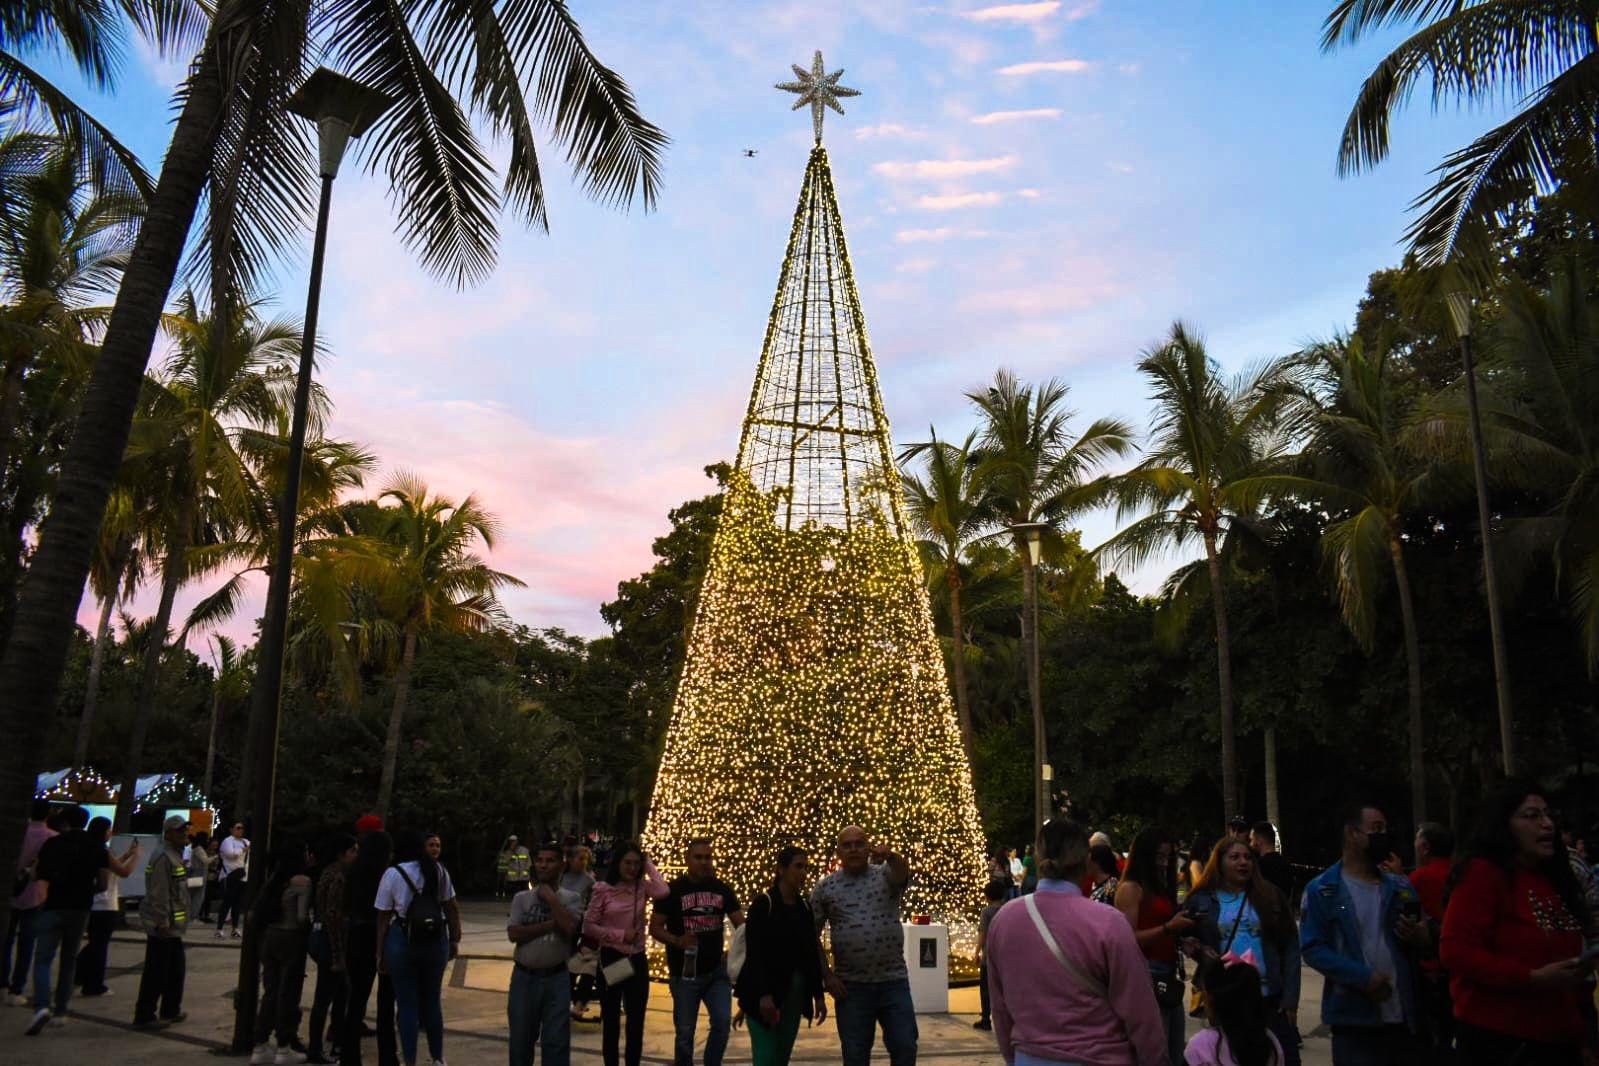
[1086, 980]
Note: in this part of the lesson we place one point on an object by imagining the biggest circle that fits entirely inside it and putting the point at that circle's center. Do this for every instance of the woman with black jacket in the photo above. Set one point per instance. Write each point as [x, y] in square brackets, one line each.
[361, 952]
[782, 976]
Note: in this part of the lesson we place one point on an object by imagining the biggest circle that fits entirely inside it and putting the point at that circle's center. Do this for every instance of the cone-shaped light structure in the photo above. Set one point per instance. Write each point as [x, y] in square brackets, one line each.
[814, 694]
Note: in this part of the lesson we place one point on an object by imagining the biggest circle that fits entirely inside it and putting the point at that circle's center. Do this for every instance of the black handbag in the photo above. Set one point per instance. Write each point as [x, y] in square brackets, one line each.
[1168, 989]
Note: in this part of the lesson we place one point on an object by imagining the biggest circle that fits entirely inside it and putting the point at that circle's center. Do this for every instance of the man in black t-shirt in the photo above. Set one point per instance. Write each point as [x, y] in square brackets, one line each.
[690, 922]
[69, 868]
[1273, 867]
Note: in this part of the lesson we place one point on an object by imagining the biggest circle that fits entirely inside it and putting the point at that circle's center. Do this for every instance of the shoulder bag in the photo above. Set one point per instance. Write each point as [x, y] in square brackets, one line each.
[1085, 980]
[621, 968]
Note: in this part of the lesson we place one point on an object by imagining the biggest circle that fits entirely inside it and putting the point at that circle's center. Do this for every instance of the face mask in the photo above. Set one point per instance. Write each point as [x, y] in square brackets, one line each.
[1378, 847]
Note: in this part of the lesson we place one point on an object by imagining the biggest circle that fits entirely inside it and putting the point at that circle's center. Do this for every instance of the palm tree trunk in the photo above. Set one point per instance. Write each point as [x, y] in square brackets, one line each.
[1418, 751]
[154, 650]
[36, 653]
[1274, 808]
[1030, 645]
[91, 693]
[211, 739]
[391, 740]
[1224, 678]
[957, 624]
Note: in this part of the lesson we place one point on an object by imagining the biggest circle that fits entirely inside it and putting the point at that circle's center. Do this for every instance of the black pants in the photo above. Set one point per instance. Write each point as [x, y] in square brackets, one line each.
[282, 980]
[161, 983]
[330, 999]
[92, 956]
[630, 997]
[1481, 1047]
[362, 962]
[232, 899]
[982, 990]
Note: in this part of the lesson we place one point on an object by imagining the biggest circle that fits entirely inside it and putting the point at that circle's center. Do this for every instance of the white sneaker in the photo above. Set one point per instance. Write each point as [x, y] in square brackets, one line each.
[262, 1055]
[287, 1056]
[221, 935]
[41, 1018]
[57, 1021]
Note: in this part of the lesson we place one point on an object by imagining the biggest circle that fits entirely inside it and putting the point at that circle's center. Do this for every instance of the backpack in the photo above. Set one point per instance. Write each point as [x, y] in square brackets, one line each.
[424, 918]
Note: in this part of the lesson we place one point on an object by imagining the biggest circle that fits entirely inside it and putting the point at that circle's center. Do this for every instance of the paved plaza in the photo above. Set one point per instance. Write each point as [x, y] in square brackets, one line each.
[474, 1014]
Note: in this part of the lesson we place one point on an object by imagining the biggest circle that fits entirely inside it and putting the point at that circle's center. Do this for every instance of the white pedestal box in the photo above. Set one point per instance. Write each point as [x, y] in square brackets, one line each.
[927, 960]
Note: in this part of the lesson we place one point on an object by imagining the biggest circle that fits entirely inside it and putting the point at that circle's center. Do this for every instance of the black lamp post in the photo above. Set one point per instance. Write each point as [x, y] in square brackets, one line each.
[1030, 538]
[1460, 312]
[342, 109]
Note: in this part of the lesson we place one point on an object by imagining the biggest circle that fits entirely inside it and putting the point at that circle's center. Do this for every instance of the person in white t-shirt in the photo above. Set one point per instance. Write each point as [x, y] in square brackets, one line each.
[90, 974]
[235, 854]
[417, 887]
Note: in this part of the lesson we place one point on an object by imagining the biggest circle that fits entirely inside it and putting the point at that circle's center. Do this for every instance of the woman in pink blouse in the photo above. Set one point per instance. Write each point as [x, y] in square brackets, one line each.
[616, 919]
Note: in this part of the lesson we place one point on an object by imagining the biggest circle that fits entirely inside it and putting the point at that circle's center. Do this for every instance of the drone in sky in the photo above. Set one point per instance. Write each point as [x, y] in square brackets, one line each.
[749, 153]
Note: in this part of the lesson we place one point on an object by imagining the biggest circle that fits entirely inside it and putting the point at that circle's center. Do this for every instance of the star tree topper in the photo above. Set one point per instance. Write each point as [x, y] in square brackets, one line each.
[817, 88]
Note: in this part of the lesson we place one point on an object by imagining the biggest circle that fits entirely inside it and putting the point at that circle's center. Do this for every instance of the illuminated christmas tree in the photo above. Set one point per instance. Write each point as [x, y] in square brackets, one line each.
[814, 694]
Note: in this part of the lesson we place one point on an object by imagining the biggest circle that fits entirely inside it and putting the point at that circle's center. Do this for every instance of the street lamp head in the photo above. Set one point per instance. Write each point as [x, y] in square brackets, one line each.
[342, 108]
[1460, 313]
[1032, 535]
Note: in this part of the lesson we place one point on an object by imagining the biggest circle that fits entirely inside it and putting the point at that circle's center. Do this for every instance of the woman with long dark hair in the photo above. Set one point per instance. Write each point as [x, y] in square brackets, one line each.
[360, 894]
[616, 919]
[1147, 896]
[1240, 1032]
[1239, 912]
[282, 919]
[782, 976]
[419, 932]
[1513, 934]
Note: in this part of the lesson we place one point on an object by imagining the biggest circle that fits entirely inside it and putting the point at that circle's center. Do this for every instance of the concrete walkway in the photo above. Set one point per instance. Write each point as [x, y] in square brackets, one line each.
[474, 1013]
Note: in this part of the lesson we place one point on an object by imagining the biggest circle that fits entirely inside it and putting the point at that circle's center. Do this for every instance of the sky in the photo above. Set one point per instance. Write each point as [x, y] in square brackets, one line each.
[1043, 186]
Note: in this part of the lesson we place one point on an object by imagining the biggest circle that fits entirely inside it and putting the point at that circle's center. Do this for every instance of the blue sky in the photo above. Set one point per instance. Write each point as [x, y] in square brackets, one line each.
[1043, 186]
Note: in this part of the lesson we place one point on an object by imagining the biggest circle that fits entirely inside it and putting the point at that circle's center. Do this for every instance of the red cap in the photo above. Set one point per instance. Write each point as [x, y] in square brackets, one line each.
[368, 823]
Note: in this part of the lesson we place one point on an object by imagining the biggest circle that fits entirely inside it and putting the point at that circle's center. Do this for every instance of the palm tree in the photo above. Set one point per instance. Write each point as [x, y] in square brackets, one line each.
[1358, 464]
[1477, 52]
[119, 565]
[946, 508]
[231, 684]
[1541, 417]
[1210, 439]
[427, 581]
[223, 378]
[443, 64]
[1036, 472]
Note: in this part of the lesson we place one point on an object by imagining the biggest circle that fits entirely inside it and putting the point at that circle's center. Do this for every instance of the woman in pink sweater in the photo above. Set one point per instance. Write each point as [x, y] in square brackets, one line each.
[616, 919]
[1093, 1004]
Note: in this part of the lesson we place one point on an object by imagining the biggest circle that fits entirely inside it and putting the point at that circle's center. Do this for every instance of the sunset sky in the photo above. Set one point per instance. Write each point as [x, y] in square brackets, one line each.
[1043, 186]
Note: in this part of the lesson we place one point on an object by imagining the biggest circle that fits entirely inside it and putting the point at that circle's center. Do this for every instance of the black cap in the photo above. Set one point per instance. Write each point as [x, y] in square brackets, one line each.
[1238, 821]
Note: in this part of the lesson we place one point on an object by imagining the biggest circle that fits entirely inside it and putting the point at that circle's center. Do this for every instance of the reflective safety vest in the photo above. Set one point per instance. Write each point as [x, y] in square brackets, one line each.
[177, 891]
[520, 865]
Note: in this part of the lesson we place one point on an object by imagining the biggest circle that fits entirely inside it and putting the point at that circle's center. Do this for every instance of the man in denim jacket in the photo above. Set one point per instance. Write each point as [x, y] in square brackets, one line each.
[1358, 931]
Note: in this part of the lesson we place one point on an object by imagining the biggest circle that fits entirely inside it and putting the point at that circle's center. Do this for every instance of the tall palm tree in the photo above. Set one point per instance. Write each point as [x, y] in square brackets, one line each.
[1036, 471]
[1358, 463]
[443, 63]
[428, 580]
[231, 684]
[1210, 440]
[946, 508]
[119, 565]
[1541, 417]
[223, 378]
[1477, 52]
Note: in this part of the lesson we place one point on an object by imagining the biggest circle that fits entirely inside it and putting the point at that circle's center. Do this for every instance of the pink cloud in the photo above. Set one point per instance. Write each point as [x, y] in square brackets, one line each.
[943, 169]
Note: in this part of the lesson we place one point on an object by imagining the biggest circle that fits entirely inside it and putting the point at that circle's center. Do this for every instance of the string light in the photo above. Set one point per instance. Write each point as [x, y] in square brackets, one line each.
[814, 694]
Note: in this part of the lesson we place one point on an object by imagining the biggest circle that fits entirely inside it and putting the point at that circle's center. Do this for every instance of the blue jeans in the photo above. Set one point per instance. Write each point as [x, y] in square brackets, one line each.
[716, 992]
[539, 1008]
[865, 1005]
[57, 932]
[20, 931]
[416, 969]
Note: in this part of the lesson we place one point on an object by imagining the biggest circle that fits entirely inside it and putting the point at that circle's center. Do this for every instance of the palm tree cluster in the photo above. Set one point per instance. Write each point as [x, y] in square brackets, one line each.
[1352, 434]
[114, 475]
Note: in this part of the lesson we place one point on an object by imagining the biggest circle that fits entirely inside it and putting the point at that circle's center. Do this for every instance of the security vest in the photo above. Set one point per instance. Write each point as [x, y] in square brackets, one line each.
[519, 864]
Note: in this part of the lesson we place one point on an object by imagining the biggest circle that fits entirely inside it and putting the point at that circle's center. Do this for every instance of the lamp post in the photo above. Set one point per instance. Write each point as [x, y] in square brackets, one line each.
[1460, 312]
[342, 110]
[1030, 544]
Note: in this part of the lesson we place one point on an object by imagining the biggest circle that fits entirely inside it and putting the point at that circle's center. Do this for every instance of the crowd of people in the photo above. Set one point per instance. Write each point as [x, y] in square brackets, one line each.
[1485, 957]
[1085, 954]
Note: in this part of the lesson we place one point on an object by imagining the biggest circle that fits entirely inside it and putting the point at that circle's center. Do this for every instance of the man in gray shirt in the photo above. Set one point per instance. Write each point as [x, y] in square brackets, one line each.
[868, 979]
[543, 920]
